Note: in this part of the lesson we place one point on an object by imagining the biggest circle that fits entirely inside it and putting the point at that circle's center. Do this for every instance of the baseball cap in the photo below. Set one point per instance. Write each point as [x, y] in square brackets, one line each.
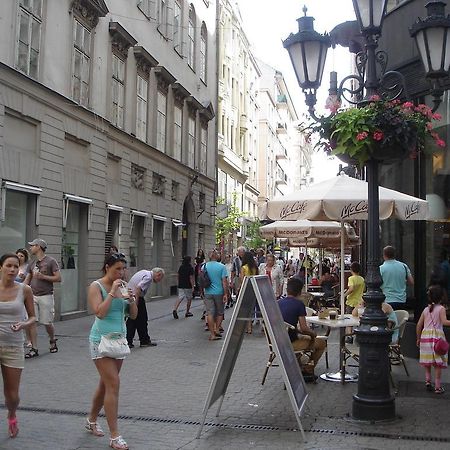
[39, 242]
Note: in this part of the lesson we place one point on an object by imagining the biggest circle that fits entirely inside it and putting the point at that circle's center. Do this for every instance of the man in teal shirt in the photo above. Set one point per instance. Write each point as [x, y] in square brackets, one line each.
[215, 294]
[396, 275]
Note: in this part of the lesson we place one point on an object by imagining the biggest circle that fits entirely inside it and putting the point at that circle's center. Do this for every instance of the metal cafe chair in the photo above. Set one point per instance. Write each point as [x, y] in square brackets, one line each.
[272, 355]
[395, 352]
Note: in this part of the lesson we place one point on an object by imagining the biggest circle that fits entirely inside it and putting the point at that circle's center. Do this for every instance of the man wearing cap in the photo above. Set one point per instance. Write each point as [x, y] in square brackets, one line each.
[41, 274]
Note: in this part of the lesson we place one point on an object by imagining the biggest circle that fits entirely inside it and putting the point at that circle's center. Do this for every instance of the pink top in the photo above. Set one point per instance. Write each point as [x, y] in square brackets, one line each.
[432, 320]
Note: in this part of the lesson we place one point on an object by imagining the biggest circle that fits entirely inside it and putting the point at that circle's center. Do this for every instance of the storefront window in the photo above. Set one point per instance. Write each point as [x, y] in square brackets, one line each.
[13, 231]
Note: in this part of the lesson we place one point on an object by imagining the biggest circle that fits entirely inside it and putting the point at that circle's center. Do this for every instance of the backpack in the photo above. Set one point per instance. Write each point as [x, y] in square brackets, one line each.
[203, 278]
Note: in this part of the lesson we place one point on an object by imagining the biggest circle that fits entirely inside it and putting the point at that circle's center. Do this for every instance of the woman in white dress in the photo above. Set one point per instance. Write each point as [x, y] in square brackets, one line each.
[275, 274]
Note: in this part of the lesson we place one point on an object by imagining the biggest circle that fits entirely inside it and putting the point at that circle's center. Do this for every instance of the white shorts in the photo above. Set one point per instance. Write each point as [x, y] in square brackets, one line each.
[44, 308]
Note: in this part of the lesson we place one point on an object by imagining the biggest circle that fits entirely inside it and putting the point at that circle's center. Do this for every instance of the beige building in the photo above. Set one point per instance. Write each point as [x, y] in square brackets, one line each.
[107, 133]
[237, 116]
[280, 152]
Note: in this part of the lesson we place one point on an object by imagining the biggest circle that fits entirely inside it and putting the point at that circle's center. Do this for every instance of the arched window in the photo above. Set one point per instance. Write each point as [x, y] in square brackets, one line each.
[191, 37]
[203, 52]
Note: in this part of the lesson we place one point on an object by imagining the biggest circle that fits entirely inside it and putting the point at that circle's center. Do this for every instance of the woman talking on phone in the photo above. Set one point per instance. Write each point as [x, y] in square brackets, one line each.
[110, 304]
[13, 297]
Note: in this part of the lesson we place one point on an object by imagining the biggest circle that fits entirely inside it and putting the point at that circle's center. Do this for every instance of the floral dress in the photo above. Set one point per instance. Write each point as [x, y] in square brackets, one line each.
[432, 331]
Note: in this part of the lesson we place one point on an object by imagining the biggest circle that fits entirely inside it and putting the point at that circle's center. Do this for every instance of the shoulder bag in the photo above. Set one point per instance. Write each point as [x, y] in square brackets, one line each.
[441, 346]
[113, 345]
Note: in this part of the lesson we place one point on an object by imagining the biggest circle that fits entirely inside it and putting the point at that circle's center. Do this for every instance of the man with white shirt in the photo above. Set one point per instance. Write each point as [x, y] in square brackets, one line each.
[139, 285]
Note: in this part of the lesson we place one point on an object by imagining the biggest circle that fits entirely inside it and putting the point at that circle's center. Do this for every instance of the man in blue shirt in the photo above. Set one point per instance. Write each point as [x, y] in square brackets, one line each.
[216, 294]
[396, 275]
[294, 312]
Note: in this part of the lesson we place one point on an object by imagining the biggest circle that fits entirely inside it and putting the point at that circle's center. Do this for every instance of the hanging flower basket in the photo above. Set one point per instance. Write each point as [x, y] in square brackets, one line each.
[387, 131]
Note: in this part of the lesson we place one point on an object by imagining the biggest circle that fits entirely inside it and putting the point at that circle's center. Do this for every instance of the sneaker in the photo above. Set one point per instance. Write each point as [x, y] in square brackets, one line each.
[148, 344]
[175, 314]
[188, 314]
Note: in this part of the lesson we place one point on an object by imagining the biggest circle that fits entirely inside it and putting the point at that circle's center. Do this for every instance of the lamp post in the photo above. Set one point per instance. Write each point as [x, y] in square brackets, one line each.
[307, 49]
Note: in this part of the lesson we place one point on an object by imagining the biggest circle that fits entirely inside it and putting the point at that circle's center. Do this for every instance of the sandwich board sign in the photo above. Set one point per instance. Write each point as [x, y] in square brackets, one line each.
[257, 290]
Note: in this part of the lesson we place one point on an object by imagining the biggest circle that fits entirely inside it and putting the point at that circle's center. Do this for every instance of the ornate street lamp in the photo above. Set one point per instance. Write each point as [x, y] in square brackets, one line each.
[307, 50]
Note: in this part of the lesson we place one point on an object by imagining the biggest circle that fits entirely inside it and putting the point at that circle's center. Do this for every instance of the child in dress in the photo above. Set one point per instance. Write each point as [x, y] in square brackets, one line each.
[428, 331]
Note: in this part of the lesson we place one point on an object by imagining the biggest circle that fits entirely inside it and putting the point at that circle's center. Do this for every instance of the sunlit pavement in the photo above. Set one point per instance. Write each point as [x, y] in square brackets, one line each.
[163, 390]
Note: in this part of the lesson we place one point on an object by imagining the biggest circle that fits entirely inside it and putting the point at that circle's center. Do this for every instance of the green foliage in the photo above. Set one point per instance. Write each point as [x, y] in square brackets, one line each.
[254, 239]
[359, 132]
[228, 225]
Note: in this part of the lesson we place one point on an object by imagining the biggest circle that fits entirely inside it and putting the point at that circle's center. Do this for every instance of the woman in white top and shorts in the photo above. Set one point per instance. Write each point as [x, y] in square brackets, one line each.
[13, 297]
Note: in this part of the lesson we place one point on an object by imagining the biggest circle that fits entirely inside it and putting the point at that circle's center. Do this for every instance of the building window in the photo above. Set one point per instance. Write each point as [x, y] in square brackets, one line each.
[191, 38]
[201, 201]
[118, 91]
[177, 27]
[162, 17]
[141, 109]
[81, 63]
[203, 52]
[203, 149]
[161, 122]
[148, 8]
[29, 36]
[177, 115]
[191, 142]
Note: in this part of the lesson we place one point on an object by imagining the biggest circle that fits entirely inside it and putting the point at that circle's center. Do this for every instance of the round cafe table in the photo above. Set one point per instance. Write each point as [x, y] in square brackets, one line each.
[342, 322]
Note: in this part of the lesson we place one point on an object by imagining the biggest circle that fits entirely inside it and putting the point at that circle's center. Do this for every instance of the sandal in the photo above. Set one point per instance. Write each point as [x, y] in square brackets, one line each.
[93, 428]
[118, 443]
[440, 390]
[13, 429]
[53, 346]
[214, 338]
[32, 353]
[428, 386]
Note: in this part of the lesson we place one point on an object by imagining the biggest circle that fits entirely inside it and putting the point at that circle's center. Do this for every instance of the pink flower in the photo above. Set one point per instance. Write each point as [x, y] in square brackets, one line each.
[429, 126]
[361, 136]
[408, 105]
[375, 98]
[378, 135]
[440, 143]
[436, 116]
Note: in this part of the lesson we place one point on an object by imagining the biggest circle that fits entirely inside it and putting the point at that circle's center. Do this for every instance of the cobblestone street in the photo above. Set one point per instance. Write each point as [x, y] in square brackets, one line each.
[163, 390]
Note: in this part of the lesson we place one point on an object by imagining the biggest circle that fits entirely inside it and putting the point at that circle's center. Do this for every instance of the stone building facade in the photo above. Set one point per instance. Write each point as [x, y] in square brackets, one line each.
[108, 134]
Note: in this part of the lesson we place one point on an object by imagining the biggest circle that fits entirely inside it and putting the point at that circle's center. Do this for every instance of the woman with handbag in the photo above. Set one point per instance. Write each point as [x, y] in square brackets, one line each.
[429, 333]
[15, 298]
[110, 300]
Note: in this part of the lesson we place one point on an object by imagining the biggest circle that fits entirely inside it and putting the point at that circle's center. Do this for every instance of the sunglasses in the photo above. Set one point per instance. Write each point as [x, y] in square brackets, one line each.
[114, 257]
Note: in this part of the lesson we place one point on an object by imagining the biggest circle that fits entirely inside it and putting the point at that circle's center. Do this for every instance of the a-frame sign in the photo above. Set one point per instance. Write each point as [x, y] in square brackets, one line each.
[257, 290]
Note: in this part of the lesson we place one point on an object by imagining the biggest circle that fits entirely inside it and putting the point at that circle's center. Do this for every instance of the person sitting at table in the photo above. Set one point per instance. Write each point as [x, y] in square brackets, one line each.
[327, 283]
[294, 312]
[390, 313]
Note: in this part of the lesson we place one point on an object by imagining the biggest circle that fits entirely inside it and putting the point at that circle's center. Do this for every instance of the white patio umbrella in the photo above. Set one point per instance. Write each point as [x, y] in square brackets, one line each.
[311, 233]
[343, 198]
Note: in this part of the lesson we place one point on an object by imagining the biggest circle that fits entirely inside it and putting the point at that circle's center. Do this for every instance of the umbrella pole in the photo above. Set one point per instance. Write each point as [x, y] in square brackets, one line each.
[306, 264]
[342, 269]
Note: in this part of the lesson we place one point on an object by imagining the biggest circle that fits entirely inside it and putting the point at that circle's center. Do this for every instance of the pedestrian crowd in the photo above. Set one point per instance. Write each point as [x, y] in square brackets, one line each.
[118, 303]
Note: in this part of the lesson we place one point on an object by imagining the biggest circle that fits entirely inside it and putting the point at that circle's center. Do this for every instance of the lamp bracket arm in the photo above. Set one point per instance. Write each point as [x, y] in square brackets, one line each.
[392, 86]
[351, 92]
[437, 91]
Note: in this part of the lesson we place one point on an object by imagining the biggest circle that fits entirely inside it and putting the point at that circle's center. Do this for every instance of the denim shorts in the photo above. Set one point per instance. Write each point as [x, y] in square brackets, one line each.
[93, 347]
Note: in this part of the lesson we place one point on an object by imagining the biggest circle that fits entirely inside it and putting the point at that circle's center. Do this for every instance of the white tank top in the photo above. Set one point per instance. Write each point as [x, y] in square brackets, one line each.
[12, 312]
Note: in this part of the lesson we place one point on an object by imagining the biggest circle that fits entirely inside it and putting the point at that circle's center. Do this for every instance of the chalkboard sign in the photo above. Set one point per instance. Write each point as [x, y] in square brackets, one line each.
[280, 340]
[257, 290]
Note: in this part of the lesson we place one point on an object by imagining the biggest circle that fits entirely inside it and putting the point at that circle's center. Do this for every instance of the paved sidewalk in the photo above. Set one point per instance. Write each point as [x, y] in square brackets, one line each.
[163, 390]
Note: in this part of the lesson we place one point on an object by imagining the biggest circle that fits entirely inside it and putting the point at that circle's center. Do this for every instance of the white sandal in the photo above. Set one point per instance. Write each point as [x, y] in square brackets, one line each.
[93, 428]
[118, 443]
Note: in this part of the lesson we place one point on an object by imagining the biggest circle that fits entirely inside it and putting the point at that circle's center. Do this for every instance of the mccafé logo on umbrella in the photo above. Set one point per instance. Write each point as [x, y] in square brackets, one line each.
[294, 208]
[412, 210]
[352, 209]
